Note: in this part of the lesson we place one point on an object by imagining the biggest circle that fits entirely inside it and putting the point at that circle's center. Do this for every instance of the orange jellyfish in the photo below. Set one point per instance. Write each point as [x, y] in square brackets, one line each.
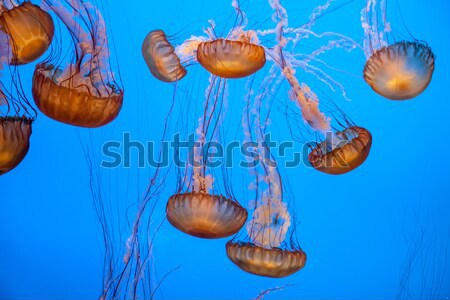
[161, 58]
[16, 118]
[257, 260]
[400, 71]
[236, 56]
[268, 247]
[199, 207]
[266, 252]
[349, 150]
[29, 29]
[231, 59]
[83, 93]
[204, 215]
[15, 135]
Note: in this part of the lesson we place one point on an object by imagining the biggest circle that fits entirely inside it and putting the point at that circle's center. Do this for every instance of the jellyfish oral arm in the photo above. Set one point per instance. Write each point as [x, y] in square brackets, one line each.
[92, 50]
[374, 38]
[309, 107]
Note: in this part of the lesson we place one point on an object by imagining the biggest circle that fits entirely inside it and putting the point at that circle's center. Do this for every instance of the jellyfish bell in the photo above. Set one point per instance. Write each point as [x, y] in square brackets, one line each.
[72, 102]
[204, 215]
[349, 150]
[161, 59]
[231, 58]
[29, 29]
[257, 260]
[15, 135]
[400, 71]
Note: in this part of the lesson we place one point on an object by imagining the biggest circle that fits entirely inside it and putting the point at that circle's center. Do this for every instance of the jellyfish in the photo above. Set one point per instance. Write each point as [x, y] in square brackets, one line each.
[265, 262]
[83, 93]
[231, 58]
[353, 149]
[15, 135]
[267, 250]
[29, 30]
[204, 215]
[16, 118]
[161, 58]
[397, 71]
[264, 254]
[196, 208]
[269, 246]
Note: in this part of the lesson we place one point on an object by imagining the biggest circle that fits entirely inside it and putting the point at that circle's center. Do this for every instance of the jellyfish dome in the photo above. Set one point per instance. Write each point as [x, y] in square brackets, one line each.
[204, 215]
[30, 30]
[72, 102]
[274, 262]
[161, 58]
[344, 155]
[231, 58]
[15, 135]
[400, 71]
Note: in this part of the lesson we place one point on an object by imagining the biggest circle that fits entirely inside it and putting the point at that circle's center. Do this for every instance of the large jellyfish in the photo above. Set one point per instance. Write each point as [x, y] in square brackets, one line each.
[196, 208]
[397, 71]
[83, 93]
[29, 30]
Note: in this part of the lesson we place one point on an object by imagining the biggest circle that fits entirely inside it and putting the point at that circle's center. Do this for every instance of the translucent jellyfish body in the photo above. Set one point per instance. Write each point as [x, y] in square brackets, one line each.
[231, 59]
[348, 153]
[204, 215]
[161, 58]
[74, 103]
[401, 71]
[30, 30]
[261, 261]
[15, 135]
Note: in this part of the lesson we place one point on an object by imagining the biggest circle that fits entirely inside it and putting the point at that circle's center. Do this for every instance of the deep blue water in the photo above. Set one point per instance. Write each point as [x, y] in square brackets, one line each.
[358, 229]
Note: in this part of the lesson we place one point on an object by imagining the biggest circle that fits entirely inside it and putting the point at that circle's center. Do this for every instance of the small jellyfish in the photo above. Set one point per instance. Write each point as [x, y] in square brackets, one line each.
[29, 29]
[400, 71]
[204, 215]
[83, 93]
[15, 135]
[348, 150]
[231, 59]
[161, 58]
